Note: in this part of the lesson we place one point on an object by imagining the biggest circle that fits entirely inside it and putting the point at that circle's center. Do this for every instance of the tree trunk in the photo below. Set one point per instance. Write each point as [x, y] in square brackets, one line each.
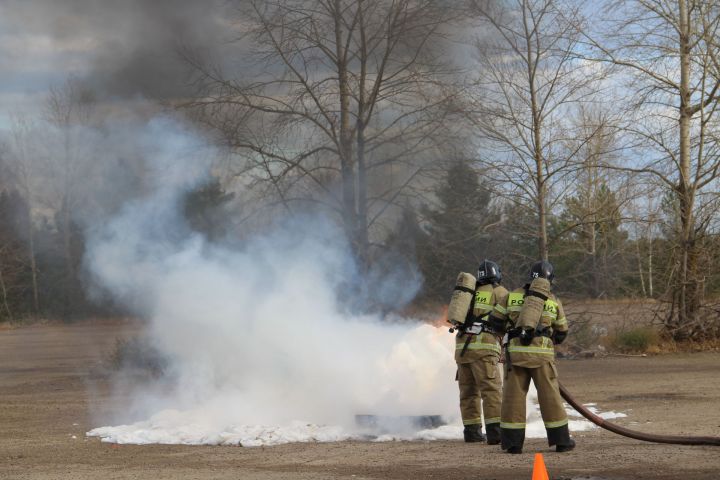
[69, 264]
[638, 252]
[650, 265]
[350, 212]
[541, 189]
[3, 290]
[362, 112]
[31, 255]
[362, 220]
[537, 145]
[687, 294]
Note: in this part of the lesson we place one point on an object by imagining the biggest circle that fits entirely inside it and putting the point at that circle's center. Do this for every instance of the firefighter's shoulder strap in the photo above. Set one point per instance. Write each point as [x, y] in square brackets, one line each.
[463, 288]
[533, 293]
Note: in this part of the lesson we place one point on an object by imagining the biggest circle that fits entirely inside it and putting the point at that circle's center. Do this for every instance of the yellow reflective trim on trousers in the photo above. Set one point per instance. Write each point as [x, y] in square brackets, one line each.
[500, 309]
[561, 322]
[540, 350]
[559, 423]
[488, 421]
[472, 421]
[478, 346]
[512, 425]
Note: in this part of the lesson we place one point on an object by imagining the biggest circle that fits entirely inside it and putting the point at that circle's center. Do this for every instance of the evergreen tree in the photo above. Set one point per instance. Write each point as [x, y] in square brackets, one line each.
[15, 291]
[455, 236]
[205, 211]
[590, 253]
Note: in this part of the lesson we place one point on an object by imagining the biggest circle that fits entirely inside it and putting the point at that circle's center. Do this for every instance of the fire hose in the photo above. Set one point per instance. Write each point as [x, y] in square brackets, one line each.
[626, 432]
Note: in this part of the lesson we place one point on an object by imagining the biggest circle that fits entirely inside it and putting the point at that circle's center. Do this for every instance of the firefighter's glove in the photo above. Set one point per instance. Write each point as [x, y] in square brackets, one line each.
[526, 336]
[558, 337]
[455, 326]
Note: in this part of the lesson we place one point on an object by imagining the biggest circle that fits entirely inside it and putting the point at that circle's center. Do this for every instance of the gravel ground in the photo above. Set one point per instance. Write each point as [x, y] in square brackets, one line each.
[49, 386]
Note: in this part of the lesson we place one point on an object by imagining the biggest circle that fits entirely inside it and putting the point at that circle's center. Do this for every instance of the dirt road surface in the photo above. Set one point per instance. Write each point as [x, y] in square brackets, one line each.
[48, 392]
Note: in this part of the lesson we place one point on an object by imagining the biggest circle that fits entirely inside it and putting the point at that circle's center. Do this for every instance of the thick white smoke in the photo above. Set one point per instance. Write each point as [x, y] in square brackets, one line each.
[257, 335]
[262, 345]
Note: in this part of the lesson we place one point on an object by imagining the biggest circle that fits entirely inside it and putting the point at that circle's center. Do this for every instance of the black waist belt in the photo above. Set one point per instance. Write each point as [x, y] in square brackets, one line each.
[539, 332]
[484, 328]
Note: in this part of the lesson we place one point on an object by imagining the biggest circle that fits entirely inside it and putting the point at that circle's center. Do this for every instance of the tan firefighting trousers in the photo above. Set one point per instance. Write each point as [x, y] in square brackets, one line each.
[515, 391]
[480, 380]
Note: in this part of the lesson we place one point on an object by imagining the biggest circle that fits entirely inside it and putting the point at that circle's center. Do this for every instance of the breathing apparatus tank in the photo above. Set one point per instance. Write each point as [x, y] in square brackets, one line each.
[461, 299]
[532, 308]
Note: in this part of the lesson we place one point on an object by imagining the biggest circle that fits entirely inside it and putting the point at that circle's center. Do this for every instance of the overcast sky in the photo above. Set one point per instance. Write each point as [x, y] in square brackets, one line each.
[121, 48]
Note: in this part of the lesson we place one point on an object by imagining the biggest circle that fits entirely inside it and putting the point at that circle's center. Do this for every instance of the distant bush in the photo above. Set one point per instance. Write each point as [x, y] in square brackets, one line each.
[639, 340]
[139, 355]
[584, 333]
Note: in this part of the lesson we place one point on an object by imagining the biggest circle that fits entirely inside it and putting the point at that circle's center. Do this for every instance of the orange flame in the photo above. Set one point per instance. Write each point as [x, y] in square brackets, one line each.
[441, 320]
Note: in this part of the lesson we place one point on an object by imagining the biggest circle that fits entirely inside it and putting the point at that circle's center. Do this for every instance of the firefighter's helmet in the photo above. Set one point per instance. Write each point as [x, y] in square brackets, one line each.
[489, 272]
[542, 269]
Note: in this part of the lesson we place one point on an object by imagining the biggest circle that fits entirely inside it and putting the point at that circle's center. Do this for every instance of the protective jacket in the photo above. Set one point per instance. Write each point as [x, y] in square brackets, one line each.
[486, 343]
[540, 350]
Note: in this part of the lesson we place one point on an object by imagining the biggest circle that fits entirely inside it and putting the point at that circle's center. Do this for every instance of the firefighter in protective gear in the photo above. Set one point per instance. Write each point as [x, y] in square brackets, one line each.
[477, 351]
[531, 355]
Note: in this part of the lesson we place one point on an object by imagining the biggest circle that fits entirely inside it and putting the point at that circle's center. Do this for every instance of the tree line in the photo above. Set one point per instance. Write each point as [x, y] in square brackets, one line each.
[441, 132]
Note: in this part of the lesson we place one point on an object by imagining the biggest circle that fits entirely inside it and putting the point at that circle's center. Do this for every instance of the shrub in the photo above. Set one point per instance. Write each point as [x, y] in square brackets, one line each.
[585, 335]
[635, 340]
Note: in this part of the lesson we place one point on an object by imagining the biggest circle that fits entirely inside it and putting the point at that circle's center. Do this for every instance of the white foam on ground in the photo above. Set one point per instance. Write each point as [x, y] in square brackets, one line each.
[200, 426]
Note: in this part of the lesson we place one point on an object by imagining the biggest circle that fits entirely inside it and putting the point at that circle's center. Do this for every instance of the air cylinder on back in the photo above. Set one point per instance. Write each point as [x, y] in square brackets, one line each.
[461, 299]
[533, 305]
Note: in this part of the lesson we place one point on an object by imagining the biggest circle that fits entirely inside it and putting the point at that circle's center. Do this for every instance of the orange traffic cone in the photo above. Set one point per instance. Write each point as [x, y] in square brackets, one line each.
[539, 470]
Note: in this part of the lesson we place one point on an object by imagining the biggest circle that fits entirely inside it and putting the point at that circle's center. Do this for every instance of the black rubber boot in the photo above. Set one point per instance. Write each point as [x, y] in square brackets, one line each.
[512, 439]
[473, 433]
[560, 437]
[565, 448]
[493, 433]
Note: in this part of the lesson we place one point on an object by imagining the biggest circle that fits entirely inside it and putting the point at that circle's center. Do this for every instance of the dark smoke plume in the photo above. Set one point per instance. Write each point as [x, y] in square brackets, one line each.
[121, 49]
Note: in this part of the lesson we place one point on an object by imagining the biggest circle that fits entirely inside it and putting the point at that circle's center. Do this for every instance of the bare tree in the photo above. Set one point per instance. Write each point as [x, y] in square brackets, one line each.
[529, 81]
[69, 164]
[4, 290]
[342, 92]
[22, 162]
[593, 211]
[645, 221]
[669, 53]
